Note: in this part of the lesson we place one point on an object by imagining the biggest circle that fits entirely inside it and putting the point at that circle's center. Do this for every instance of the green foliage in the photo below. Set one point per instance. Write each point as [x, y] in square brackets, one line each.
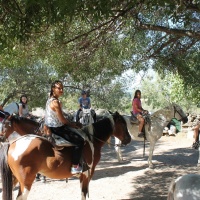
[158, 91]
[88, 43]
[33, 80]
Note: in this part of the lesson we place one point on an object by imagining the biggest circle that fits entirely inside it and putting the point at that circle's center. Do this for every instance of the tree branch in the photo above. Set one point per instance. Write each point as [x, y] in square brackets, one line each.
[177, 32]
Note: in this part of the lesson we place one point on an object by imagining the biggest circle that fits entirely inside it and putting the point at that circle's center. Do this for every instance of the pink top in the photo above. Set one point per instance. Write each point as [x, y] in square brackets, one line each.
[137, 102]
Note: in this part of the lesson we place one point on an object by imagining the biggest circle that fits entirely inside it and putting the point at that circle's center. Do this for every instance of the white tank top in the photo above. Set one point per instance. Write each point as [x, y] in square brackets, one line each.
[51, 118]
[25, 110]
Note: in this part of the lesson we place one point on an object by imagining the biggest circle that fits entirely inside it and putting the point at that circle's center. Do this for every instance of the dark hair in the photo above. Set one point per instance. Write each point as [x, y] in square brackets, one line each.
[53, 85]
[83, 92]
[135, 96]
[20, 100]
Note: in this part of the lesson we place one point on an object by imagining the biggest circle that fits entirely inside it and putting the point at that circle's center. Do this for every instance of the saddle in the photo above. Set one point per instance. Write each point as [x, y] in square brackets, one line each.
[133, 119]
[59, 143]
[147, 119]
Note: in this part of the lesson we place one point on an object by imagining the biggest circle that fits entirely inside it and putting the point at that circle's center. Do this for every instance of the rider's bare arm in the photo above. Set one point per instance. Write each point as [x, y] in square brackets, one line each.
[55, 106]
[20, 110]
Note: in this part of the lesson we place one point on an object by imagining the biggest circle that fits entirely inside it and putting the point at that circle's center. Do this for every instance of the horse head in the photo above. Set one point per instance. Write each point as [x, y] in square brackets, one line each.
[6, 128]
[86, 117]
[120, 129]
[179, 114]
[22, 126]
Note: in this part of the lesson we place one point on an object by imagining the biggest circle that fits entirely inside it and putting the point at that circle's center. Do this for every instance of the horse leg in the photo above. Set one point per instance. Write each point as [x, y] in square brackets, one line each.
[43, 179]
[15, 181]
[84, 181]
[37, 178]
[25, 186]
[152, 146]
[118, 150]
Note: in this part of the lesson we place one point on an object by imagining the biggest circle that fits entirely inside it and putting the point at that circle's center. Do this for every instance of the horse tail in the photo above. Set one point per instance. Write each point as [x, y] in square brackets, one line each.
[6, 174]
[171, 190]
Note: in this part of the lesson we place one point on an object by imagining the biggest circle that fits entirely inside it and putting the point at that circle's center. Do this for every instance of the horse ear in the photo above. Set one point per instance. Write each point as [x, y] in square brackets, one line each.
[117, 113]
[110, 112]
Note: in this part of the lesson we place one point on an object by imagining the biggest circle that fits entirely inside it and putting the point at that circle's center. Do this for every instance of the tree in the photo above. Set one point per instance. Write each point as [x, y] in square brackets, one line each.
[82, 38]
[32, 80]
[159, 91]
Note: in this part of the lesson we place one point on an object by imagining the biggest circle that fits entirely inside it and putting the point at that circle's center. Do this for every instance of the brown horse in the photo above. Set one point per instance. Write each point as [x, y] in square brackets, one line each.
[22, 126]
[28, 155]
[19, 126]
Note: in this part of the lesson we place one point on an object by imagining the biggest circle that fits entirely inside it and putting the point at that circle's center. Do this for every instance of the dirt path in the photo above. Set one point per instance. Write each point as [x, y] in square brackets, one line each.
[131, 180]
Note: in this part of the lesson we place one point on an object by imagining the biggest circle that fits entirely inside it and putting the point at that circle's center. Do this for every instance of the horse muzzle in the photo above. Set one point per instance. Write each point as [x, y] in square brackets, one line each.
[2, 138]
[126, 140]
[184, 120]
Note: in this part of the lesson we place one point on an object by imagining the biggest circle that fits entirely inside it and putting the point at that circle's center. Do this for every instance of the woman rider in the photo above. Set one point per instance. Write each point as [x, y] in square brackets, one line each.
[138, 111]
[58, 124]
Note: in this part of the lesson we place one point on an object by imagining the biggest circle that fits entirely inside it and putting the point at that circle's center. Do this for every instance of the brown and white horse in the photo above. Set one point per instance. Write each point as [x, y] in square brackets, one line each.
[28, 155]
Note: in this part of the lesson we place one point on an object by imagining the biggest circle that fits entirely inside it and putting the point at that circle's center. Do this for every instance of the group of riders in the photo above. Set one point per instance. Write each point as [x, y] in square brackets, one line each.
[55, 121]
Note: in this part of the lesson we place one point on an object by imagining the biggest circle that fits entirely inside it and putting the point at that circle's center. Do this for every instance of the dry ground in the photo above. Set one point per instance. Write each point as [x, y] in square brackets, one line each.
[132, 179]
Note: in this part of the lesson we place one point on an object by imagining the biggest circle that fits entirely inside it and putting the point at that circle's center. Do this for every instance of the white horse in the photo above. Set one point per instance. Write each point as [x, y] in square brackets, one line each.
[186, 187]
[159, 120]
[12, 108]
[86, 117]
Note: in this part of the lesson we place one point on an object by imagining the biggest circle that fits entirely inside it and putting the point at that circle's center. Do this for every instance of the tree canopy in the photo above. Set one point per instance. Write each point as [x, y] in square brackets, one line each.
[85, 39]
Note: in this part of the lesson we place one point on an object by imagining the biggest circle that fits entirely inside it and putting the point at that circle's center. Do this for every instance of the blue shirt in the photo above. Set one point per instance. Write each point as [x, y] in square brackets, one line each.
[84, 102]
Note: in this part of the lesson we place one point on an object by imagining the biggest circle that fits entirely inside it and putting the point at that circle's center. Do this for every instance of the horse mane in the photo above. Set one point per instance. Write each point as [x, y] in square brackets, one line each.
[98, 128]
[104, 125]
[18, 119]
[161, 110]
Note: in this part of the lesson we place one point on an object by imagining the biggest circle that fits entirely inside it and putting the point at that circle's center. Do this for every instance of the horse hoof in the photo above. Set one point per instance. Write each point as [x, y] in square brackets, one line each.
[43, 181]
[150, 166]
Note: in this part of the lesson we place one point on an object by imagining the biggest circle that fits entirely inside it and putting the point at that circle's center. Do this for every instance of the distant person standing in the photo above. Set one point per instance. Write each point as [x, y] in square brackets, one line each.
[196, 130]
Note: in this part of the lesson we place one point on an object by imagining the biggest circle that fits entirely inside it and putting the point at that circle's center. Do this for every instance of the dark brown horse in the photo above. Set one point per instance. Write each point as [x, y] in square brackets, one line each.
[28, 155]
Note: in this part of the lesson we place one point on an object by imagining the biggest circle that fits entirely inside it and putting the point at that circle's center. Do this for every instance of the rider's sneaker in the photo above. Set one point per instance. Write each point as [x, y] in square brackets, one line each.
[76, 170]
[141, 135]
